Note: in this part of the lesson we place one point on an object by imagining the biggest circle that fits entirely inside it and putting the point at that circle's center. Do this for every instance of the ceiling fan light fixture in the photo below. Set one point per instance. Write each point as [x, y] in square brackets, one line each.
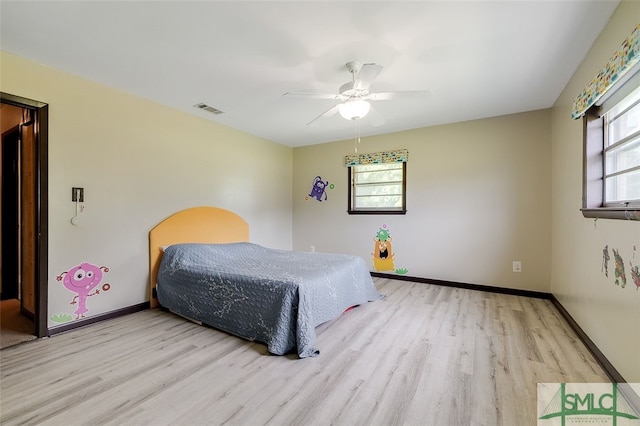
[354, 110]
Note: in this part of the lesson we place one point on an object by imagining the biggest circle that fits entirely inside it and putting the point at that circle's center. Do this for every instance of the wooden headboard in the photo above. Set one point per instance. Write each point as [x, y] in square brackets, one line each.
[194, 225]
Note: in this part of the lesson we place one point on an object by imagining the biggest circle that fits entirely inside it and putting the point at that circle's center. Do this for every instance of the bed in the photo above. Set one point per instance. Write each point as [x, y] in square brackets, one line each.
[203, 267]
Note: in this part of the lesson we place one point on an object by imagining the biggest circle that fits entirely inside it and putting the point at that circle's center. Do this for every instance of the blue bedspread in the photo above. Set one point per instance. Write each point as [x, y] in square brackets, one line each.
[272, 296]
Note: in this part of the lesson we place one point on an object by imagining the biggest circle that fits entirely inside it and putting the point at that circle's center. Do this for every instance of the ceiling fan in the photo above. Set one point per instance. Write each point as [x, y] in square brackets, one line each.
[354, 96]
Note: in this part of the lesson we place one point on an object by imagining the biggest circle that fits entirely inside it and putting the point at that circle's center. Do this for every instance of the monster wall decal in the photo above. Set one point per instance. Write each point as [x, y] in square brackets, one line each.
[635, 270]
[605, 261]
[620, 275]
[635, 275]
[383, 255]
[621, 278]
[319, 189]
[82, 280]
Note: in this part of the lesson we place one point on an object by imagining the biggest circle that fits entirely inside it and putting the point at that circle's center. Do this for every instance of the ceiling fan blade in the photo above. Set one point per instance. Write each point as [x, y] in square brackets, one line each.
[375, 118]
[328, 113]
[365, 77]
[333, 96]
[408, 94]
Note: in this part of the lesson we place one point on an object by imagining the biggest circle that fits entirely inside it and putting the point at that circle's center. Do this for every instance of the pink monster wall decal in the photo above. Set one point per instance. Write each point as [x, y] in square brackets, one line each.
[82, 279]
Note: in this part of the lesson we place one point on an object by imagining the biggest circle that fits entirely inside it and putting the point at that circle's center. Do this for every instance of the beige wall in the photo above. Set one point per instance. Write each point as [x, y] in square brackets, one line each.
[478, 198]
[139, 162]
[608, 313]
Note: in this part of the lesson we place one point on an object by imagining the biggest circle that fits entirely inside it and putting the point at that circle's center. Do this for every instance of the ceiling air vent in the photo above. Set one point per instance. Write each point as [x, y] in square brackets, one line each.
[208, 108]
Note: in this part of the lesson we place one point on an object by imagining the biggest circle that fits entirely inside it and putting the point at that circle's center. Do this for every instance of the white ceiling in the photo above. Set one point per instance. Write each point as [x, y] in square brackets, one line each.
[480, 58]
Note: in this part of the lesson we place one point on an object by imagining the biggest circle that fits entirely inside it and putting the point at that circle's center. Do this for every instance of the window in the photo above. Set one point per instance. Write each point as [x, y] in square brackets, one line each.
[377, 188]
[612, 155]
[610, 105]
[622, 152]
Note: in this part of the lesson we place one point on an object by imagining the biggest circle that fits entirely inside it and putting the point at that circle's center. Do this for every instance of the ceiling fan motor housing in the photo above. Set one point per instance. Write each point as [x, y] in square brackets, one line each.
[348, 91]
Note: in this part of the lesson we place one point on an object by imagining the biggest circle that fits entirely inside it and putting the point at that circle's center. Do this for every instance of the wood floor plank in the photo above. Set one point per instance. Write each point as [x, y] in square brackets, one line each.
[424, 355]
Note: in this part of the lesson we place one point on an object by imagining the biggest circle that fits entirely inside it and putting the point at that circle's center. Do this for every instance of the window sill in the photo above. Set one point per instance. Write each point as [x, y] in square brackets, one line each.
[376, 211]
[612, 213]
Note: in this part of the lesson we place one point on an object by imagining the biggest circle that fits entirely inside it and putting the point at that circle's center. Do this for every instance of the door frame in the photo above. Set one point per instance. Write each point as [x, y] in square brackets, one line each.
[41, 129]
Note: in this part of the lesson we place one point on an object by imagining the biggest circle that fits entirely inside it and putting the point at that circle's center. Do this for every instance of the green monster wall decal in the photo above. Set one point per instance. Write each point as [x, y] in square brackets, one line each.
[620, 274]
[621, 278]
[635, 275]
[635, 270]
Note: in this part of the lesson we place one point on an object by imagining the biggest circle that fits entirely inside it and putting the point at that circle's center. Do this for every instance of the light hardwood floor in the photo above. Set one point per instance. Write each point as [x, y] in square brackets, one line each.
[15, 328]
[425, 355]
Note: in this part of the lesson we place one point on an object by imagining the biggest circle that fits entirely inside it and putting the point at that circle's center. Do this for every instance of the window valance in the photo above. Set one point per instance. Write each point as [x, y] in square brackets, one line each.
[384, 157]
[622, 61]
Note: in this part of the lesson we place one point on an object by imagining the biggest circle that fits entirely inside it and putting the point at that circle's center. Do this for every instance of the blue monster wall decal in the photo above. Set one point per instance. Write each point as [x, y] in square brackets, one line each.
[318, 189]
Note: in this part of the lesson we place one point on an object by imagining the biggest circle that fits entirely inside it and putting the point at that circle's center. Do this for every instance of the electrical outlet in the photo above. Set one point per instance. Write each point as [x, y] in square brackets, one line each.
[77, 194]
[517, 266]
[312, 248]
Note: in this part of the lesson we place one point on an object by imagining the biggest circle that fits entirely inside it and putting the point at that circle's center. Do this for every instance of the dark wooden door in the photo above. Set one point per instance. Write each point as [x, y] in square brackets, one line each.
[10, 214]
